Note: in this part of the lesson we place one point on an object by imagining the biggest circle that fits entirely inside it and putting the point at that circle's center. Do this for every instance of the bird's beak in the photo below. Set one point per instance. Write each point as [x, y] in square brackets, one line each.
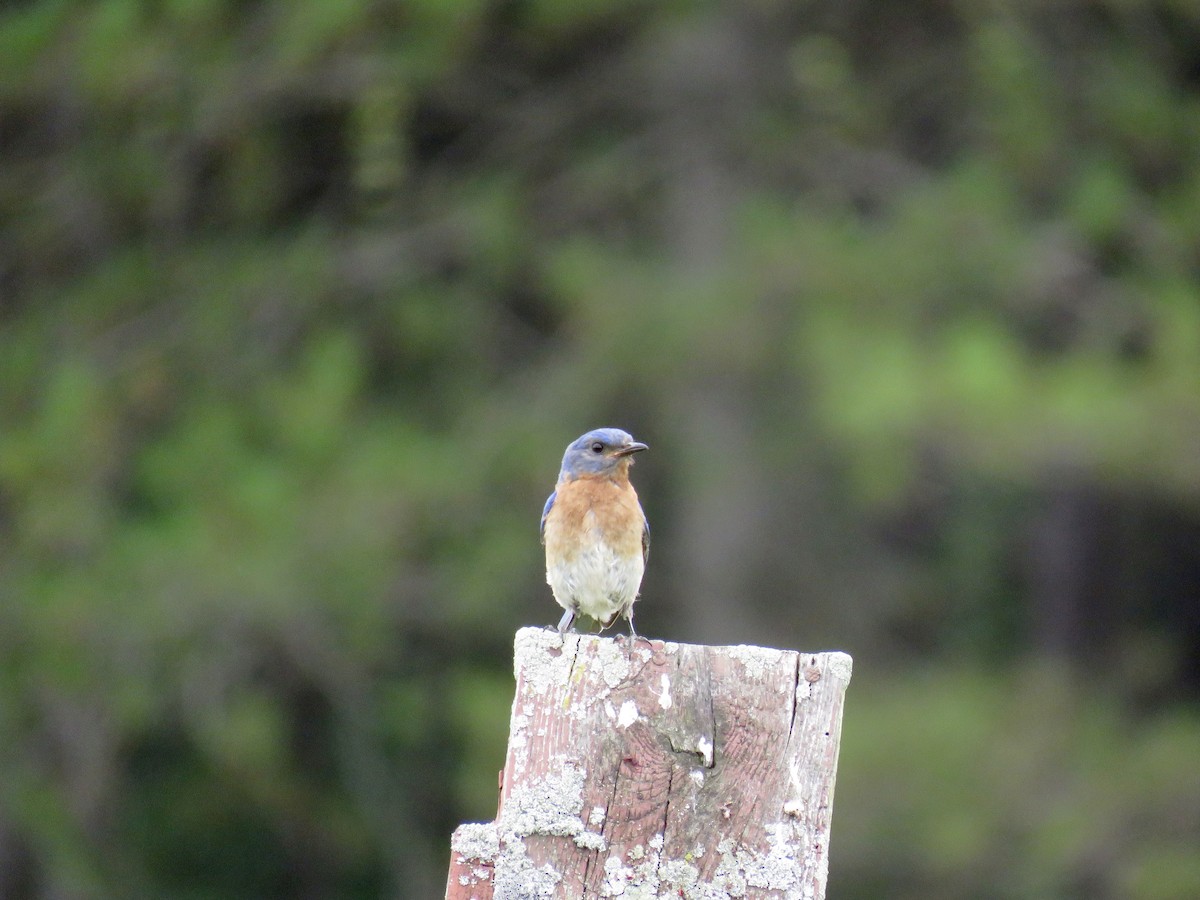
[631, 448]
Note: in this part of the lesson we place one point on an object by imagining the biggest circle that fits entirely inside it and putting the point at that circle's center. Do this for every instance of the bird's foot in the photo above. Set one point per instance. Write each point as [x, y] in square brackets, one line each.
[630, 641]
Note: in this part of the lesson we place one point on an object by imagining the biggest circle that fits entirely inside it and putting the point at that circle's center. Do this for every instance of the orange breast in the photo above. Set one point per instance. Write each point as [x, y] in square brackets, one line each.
[592, 509]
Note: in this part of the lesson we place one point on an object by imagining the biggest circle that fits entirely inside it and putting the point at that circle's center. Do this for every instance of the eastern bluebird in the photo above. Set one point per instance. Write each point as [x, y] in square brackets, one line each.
[595, 532]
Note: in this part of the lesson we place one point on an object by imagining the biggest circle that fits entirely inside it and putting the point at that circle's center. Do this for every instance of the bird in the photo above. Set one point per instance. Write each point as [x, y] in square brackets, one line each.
[596, 536]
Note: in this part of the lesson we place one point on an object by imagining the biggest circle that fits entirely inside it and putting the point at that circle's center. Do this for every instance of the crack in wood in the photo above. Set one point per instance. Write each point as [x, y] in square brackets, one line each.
[795, 702]
[750, 819]
[574, 662]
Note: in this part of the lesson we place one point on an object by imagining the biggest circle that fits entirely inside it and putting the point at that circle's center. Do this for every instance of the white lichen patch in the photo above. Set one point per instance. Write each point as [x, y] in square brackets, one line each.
[705, 748]
[617, 876]
[590, 840]
[518, 745]
[646, 875]
[612, 662]
[667, 648]
[598, 814]
[476, 840]
[840, 666]
[519, 723]
[757, 660]
[678, 874]
[550, 805]
[803, 689]
[517, 878]
[628, 714]
[664, 698]
[728, 877]
[697, 777]
[654, 878]
[777, 870]
[518, 734]
[639, 879]
[544, 658]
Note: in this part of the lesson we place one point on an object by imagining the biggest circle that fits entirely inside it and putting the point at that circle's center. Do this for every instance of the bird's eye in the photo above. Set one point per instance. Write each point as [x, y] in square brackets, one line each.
[597, 447]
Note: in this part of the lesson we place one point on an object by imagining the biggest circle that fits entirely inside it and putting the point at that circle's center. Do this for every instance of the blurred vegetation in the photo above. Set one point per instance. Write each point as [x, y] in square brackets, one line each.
[299, 303]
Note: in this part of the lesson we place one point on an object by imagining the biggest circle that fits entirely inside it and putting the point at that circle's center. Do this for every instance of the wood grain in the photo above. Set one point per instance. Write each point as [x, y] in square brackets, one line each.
[651, 769]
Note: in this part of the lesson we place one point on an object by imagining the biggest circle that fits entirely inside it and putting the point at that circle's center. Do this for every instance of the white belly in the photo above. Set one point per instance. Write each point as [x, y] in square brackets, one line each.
[596, 582]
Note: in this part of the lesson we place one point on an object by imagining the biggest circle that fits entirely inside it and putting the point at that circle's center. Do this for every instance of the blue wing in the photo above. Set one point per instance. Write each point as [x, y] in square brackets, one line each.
[645, 538]
[546, 512]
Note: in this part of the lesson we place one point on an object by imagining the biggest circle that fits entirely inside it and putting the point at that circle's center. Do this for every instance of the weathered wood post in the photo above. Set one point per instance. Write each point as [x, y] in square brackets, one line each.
[657, 769]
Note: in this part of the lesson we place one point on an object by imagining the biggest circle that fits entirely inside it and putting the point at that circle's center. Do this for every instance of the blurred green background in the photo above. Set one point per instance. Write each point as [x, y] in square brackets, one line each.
[301, 301]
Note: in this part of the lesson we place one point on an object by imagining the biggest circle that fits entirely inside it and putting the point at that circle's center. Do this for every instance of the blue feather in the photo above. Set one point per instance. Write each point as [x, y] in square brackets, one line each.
[546, 512]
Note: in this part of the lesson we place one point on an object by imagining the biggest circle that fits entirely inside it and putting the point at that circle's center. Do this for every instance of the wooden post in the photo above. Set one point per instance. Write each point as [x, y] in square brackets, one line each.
[654, 769]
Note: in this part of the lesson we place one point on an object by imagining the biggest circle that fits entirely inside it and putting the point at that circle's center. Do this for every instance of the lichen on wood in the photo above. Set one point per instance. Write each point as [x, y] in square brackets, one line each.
[644, 769]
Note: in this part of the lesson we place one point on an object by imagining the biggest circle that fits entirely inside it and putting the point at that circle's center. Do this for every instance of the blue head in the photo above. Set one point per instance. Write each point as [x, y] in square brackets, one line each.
[602, 451]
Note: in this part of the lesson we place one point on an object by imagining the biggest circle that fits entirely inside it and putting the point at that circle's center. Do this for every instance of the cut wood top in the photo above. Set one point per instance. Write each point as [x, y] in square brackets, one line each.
[657, 766]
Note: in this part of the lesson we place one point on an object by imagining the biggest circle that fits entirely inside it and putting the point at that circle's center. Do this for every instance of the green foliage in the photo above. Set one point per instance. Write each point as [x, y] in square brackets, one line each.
[1030, 785]
[299, 303]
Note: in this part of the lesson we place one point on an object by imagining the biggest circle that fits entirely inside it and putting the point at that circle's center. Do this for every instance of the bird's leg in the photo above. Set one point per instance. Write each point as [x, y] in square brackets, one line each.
[568, 617]
[634, 637]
